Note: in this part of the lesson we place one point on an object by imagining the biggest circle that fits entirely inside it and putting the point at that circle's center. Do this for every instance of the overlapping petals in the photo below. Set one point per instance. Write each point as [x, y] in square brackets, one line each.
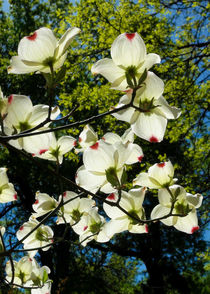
[100, 158]
[43, 204]
[41, 237]
[129, 56]
[41, 51]
[22, 116]
[159, 175]
[131, 202]
[148, 117]
[184, 208]
[92, 226]
[7, 191]
[74, 208]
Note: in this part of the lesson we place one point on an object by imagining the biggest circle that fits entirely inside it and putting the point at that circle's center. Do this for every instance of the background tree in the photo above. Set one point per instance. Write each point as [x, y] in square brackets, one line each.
[177, 32]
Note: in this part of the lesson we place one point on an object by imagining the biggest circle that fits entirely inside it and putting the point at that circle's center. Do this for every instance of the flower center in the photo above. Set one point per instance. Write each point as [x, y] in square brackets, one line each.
[133, 214]
[41, 235]
[76, 215]
[23, 126]
[49, 61]
[95, 227]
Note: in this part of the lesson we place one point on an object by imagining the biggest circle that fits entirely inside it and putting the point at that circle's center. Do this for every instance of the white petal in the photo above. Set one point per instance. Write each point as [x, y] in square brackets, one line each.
[89, 181]
[144, 180]
[38, 115]
[135, 153]
[37, 144]
[99, 157]
[111, 138]
[163, 172]
[138, 229]
[8, 194]
[149, 61]
[65, 41]
[3, 176]
[137, 195]
[38, 47]
[164, 197]
[128, 49]
[160, 211]
[113, 211]
[59, 62]
[116, 226]
[150, 126]
[107, 68]
[195, 200]
[125, 115]
[19, 109]
[17, 66]
[107, 188]
[154, 87]
[66, 143]
[164, 109]
[187, 224]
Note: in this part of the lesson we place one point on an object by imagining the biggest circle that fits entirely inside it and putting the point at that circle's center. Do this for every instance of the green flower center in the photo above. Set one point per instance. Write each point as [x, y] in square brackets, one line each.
[49, 61]
[182, 208]
[133, 214]
[23, 126]
[95, 228]
[41, 235]
[131, 71]
[76, 215]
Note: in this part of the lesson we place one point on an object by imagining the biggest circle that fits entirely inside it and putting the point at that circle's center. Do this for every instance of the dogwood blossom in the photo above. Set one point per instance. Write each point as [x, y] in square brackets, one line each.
[129, 58]
[74, 209]
[148, 117]
[39, 277]
[41, 237]
[102, 159]
[7, 191]
[131, 202]
[159, 175]
[127, 140]
[49, 147]
[185, 205]
[43, 204]
[22, 270]
[41, 51]
[22, 116]
[91, 226]
[87, 138]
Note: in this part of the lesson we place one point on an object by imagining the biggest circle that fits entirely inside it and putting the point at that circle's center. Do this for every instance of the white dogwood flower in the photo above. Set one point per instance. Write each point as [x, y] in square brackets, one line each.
[43, 204]
[49, 148]
[101, 160]
[148, 117]
[22, 270]
[41, 237]
[7, 191]
[22, 116]
[131, 202]
[74, 209]
[184, 204]
[160, 175]
[92, 226]
[41, 51]
[87, 138]
[129, 57]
